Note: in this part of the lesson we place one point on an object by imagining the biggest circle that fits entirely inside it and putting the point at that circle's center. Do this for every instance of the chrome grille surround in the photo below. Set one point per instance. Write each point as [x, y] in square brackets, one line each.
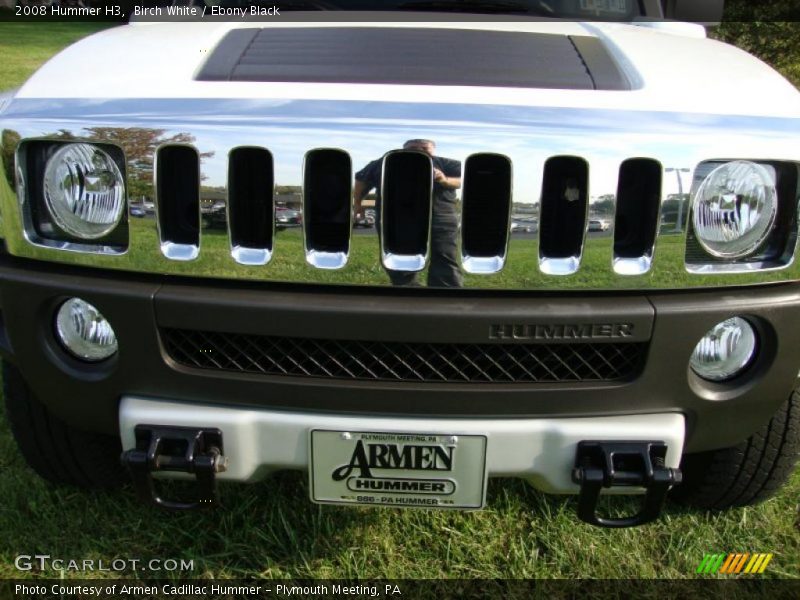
[367, 130]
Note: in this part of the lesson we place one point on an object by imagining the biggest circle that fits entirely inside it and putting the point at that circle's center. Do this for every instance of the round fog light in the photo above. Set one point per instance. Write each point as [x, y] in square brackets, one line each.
[725, 351]
[84, 332]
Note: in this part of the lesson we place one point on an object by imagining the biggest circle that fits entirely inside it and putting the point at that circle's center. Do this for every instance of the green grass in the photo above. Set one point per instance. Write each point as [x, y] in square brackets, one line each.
[363, 266]
[24, 47]
[270, 529]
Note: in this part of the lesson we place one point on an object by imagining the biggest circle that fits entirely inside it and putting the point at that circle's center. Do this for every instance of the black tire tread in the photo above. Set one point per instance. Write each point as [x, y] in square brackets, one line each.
[748, 473]
[57, 452]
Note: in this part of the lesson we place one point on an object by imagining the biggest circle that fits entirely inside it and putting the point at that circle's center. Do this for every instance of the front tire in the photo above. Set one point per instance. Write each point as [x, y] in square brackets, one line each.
[59, 452]
[747, 473]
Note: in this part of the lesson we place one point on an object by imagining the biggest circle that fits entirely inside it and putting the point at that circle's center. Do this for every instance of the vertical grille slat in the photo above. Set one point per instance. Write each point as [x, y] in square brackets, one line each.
[327, 207]
[564, 205]
[405, 221]
[636, 221]
[251, 207]
[486, 202]
[178, 200]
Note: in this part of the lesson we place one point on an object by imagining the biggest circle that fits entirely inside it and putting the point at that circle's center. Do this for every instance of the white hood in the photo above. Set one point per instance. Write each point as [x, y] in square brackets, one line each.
[669, 72]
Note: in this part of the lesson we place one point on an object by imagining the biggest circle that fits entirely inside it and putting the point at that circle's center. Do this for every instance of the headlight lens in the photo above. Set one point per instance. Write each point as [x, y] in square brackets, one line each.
[734, 209]
[84, 191]
[84, 332]
[725, 351]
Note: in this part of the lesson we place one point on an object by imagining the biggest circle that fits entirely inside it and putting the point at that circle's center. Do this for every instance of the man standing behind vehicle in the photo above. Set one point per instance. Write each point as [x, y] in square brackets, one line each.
[444, 270]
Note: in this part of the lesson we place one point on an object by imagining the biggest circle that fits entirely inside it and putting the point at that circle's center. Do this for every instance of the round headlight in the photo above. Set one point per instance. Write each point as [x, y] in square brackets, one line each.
[84, 332]
[725, 351]
[734, 209]
[84, 191]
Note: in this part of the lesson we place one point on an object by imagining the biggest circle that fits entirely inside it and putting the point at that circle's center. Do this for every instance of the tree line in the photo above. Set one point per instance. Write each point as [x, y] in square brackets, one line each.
[769, 30]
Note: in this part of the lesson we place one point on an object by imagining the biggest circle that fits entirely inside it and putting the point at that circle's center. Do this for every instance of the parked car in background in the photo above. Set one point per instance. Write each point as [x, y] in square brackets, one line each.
[215, 216]
[365, 220]
[599, 225]
[287, 217]
[524, 226]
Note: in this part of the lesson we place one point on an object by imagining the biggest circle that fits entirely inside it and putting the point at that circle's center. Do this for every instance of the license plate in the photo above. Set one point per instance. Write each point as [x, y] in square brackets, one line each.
[398, 469]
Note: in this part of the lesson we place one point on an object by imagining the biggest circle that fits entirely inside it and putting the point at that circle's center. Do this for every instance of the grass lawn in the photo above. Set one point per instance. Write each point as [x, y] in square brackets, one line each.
[271, 529]
[24, 47]
[363, 265]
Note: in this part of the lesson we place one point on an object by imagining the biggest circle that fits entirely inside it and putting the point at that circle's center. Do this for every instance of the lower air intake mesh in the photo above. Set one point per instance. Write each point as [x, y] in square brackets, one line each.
[405, 361]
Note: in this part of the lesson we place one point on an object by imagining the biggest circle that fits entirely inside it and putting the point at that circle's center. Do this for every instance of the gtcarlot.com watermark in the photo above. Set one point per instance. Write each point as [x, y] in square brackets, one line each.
[46, 562]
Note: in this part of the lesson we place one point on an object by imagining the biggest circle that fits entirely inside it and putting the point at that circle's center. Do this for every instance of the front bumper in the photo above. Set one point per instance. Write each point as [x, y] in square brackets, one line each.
[258, 442]
[138, 307]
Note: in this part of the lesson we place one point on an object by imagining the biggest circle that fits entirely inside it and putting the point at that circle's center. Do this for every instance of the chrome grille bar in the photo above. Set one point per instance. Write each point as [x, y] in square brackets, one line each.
[406, 211]
[327, 207]
[564, 207]
[177, 198]
[486, 212]
[636, 220]
[250, 207]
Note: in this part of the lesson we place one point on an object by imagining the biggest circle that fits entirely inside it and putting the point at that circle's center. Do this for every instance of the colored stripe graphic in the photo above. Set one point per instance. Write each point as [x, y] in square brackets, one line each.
[703, 568]
[734, 563]
[764, 564]
[718, 563]
[710, 563]
[754, 563]
[726, 568]
[740, 562]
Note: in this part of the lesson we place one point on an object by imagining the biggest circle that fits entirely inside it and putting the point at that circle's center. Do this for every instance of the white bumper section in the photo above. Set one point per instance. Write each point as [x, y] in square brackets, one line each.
[542, 451]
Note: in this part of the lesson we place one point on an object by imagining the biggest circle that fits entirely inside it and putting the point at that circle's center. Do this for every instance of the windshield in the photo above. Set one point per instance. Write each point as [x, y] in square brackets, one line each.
[606, 10]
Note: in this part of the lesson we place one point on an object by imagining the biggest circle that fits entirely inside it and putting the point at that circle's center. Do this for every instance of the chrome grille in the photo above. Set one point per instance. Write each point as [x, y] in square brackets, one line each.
[647, 243]
[403, 361]
[407, 190]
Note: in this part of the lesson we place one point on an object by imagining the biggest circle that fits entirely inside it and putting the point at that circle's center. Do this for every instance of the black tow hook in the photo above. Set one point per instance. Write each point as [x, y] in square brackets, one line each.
[197, 451]
[604, 464]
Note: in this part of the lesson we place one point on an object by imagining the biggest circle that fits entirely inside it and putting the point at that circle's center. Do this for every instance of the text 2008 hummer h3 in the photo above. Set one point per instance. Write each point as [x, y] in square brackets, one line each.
[476, 325]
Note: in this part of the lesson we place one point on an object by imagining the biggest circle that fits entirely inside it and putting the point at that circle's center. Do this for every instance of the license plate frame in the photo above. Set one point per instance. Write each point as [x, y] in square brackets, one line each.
[401, 469]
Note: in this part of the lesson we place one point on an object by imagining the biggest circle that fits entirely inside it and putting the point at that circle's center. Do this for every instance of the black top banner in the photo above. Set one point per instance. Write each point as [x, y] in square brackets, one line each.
[707, 12]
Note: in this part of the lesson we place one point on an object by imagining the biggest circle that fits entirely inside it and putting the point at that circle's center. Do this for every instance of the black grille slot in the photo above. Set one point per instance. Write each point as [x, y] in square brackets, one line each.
[405, 361]
[178, 194]
[638, 204]
[250, 200]
[565, 192]
[486, 201]
[406, 197]
[327, 194]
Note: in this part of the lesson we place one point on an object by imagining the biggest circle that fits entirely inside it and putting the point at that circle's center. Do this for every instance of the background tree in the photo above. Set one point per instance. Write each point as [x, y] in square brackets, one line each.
[140, 144]
[769, 30]
[604, 205]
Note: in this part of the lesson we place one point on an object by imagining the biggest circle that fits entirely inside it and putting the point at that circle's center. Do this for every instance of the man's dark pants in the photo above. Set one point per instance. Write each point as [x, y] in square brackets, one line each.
[444, 269]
